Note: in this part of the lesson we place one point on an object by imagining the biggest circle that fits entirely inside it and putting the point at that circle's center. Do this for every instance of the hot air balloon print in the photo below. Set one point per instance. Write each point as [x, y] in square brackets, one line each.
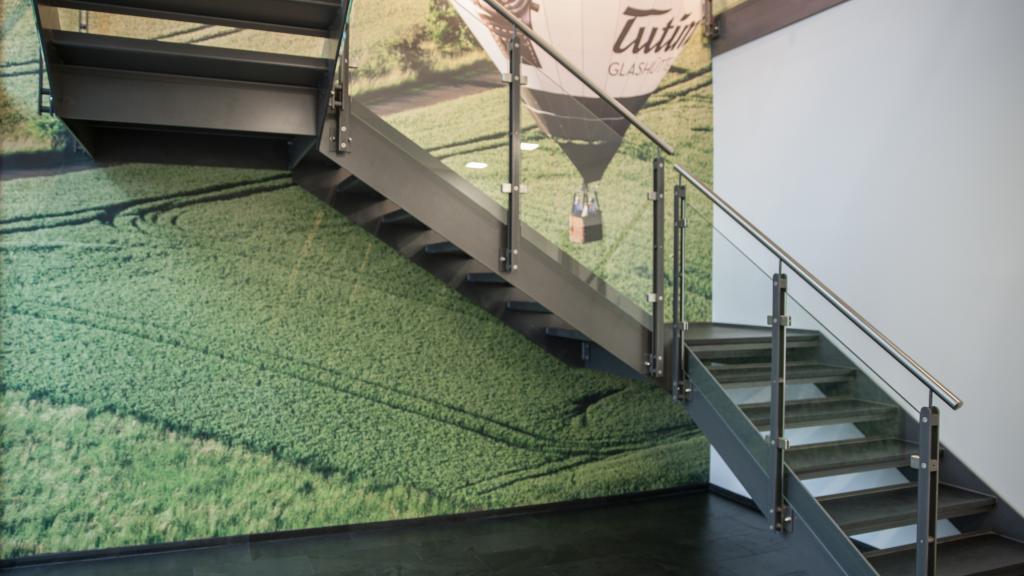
[626, 46]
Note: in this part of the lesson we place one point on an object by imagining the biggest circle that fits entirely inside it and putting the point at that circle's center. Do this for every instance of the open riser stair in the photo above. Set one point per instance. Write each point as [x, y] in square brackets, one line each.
[138, 99]
[733, 363]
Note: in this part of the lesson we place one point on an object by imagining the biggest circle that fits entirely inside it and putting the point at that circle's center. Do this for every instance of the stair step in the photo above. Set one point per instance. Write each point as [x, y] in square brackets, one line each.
[151, 56]
[962, 555]
[736, 376]
[526, 306]
[716, 351]
[821, 411]
[306, 17]
[567, 334]
[833, 458]
[443, 249]
[761, 336]
[401, 217]
[486, 278]
[881, 508]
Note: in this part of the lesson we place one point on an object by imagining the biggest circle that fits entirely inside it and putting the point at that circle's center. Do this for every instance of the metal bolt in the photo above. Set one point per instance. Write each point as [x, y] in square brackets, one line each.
[344, 128]
[515, 251]
[515, 266]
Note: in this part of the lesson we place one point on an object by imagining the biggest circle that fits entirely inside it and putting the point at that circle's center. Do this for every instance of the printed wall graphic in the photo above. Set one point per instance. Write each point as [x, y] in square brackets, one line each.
[625, 46]
[191, 352]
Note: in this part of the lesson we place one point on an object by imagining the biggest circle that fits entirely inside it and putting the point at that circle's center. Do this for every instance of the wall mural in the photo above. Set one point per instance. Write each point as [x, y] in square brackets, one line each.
[191, 352]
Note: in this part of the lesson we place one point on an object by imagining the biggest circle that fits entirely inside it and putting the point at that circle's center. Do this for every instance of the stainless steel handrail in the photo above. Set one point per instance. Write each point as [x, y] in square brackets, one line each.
[940, 390]
[529, 33]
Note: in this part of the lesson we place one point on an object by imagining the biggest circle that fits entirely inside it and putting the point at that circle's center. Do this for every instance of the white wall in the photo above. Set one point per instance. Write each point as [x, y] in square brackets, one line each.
[882, 144]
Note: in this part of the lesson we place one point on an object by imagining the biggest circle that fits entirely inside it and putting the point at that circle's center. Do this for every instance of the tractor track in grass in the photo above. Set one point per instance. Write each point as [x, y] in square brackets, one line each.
[105, 214]
[398, 399]
[558, 457]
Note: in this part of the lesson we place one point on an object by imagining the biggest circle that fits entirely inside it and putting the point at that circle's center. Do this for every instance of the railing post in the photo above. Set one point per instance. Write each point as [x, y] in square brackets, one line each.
[341, 102]
[779, 321]
[656, 361]
[680, 386]
[514, 187]
[927, 465]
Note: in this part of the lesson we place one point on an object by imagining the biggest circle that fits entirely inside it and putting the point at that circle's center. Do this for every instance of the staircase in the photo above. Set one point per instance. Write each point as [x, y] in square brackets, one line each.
[729, 369]
[129, 99]
[134, 99]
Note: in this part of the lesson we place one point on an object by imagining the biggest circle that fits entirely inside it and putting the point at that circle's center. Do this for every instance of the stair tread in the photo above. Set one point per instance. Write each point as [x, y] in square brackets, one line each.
[399, 217]
[964, 555]
[758, 346]
[737, 377]
[443, 248]
[526, 306]
[821, 411]
[567, 333]
[307, 17]
[831, 458]
[486, 278]
[151, 56]
[878, 509]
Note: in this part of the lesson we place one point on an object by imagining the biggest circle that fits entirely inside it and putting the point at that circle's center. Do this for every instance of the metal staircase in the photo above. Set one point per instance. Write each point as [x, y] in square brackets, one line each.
[143, 99]
[766, 397]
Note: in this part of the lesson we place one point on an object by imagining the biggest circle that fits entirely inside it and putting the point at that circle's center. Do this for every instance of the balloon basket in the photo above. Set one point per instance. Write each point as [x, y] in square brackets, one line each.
[585, 229]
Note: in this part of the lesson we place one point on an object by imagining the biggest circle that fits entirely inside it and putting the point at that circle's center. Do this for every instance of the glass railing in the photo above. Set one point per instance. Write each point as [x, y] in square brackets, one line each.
[852, 399]
[442, 78]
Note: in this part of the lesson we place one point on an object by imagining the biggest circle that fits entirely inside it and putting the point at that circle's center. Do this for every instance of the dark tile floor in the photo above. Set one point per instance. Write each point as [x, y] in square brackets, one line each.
[683, 533]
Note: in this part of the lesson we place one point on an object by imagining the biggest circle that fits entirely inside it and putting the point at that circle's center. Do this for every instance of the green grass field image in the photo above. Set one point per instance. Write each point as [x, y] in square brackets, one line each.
[191, 352]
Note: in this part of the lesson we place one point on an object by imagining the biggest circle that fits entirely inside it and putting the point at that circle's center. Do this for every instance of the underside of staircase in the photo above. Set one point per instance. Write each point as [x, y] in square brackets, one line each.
[145, 100]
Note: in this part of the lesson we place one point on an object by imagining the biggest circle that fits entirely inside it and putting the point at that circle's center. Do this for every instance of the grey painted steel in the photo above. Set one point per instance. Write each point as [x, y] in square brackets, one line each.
[947, 395]
[927, 491]
[815, 521]
[753, 19]
[629, 116]
[132, 54]
[657, 360]
[398, 168]
[825, 547]
[726, 439]
[305, 17]
[513, 227]
[341, 101]
[121, 97]
[680, 386]
[778, 516]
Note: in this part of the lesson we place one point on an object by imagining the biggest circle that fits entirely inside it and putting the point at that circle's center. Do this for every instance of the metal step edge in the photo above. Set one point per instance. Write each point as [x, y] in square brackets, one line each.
[1008, 566]
[566, 333]
[526, 307]
[489, 278]
[443, 249]
[840, 417]
[875, 463]
[948, 511]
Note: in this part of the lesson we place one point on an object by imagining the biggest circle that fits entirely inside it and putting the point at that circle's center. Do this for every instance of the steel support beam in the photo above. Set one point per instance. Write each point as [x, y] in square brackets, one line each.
[396, 167]
[779, 516]
[680, 386]
[341, 102]
[927, 465]
[513, 226]
[656, 361]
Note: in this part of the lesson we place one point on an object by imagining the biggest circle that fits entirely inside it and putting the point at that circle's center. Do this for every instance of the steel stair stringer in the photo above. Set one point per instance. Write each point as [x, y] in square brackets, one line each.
[397, 168]
[825, 548]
